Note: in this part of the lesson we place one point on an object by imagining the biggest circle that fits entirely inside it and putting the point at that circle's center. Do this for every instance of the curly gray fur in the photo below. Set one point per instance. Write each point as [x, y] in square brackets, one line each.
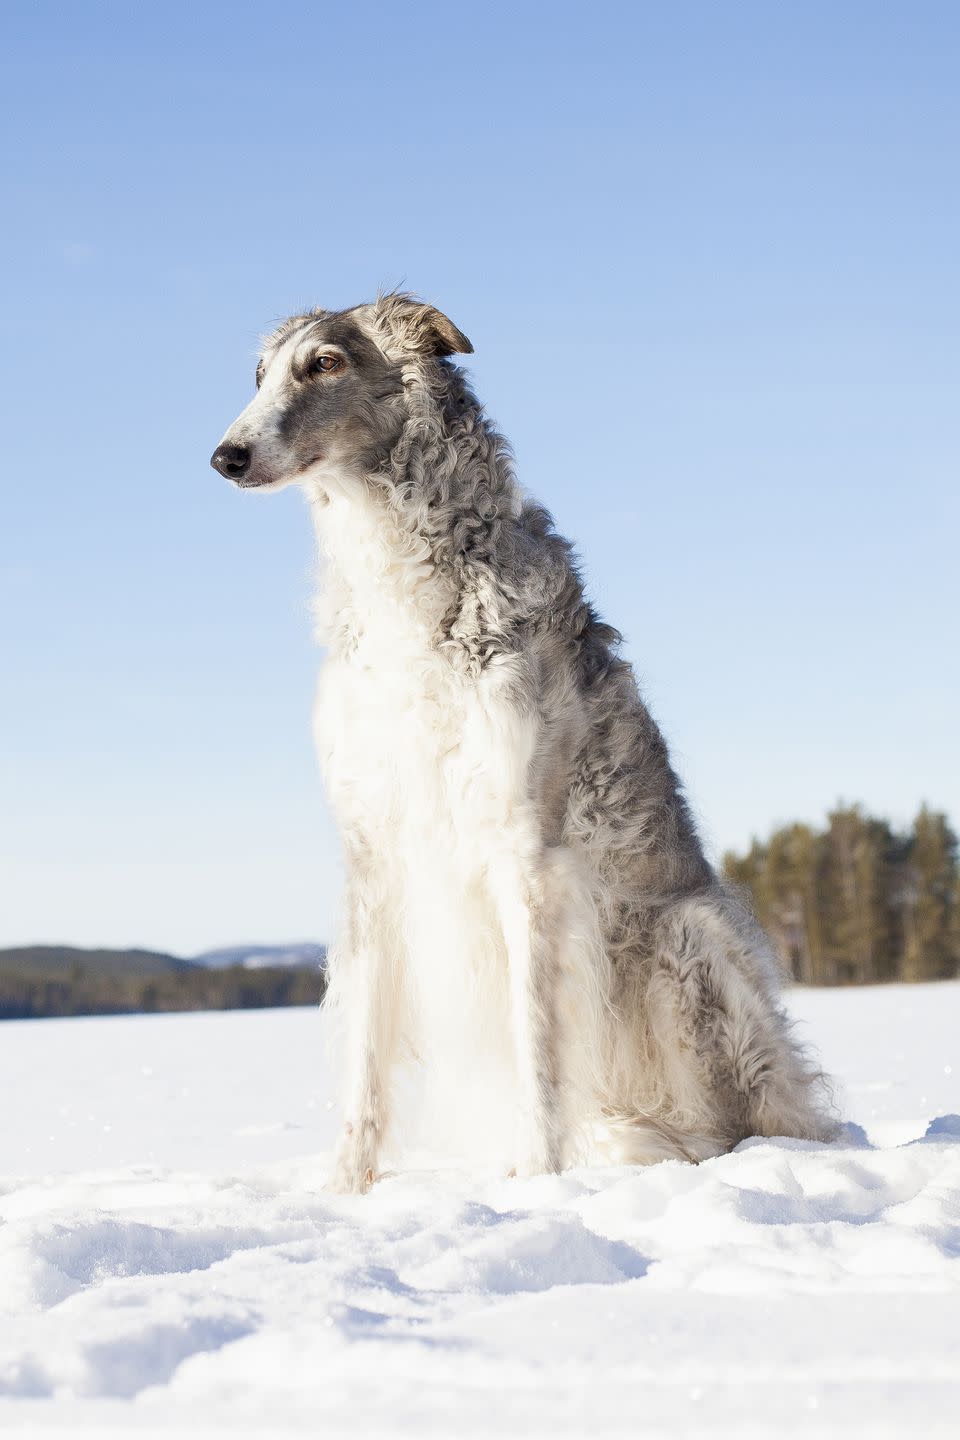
[689, 1049]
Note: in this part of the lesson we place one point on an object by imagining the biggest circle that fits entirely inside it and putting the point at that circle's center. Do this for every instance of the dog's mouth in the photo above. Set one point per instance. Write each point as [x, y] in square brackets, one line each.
[253, 482]
[266, 482]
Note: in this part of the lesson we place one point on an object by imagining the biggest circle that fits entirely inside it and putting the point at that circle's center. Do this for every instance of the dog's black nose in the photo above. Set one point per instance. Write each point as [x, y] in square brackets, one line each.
[231, 460]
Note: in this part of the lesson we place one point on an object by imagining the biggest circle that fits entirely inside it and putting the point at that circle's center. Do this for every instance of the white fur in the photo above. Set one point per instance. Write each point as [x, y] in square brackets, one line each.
[527, 901]
[426, 769]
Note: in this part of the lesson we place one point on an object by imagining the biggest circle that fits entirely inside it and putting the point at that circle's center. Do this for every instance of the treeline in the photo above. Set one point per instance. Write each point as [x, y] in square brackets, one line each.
[81, 991]
[857, 901]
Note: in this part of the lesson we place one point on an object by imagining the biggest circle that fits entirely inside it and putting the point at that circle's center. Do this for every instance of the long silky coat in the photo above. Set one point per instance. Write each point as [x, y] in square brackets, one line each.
[521, 864]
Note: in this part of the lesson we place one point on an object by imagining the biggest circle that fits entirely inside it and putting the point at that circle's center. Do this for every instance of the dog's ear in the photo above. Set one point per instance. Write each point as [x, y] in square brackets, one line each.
[414, 325]
[443, 335]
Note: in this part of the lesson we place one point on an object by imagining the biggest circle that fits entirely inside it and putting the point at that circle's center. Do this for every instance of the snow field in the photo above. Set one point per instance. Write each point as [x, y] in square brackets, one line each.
[170, 1261]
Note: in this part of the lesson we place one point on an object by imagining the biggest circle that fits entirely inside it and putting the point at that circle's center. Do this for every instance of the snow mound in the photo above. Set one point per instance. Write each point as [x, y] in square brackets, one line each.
[191, 1273]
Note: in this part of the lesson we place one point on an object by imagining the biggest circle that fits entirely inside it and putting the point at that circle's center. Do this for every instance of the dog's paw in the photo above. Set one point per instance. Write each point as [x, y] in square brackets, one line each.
[538, 1161]
[350, 1180]
[538, 1151]
[353, 1166]
[355, 1161]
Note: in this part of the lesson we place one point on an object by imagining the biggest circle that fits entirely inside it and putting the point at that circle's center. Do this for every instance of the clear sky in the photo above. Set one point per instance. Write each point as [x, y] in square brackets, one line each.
[708, 258]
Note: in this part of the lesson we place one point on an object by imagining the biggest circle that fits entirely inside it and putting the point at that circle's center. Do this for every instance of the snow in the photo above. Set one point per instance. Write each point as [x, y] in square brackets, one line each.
[169, 1260]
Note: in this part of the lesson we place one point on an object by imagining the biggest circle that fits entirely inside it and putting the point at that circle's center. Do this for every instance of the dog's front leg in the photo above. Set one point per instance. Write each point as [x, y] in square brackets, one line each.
[367, 995]
[530, 916]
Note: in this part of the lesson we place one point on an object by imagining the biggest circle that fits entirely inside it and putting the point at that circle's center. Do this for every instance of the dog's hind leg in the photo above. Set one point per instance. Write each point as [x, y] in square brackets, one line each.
[364, 981]
[730, 1062]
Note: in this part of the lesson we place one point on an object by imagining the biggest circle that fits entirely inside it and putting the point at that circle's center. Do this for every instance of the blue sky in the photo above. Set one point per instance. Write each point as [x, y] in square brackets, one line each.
[707, 255]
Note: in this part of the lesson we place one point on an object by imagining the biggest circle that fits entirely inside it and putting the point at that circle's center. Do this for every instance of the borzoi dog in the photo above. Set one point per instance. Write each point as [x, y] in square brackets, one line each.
[519, 854]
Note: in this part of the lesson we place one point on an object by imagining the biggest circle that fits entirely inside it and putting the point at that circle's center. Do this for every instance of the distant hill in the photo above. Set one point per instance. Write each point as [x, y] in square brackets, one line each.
[306, 955]
[60, 980]
[59, 960]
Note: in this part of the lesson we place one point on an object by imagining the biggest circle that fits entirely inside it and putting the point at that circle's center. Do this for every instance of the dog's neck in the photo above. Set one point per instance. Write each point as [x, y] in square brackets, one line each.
[412, 545]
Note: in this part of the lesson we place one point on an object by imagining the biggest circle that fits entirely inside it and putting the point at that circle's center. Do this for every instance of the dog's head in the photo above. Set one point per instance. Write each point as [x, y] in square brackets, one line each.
[333, 391]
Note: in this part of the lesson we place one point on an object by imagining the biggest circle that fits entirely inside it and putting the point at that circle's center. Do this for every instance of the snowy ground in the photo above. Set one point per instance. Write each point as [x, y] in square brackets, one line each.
[170, 1262]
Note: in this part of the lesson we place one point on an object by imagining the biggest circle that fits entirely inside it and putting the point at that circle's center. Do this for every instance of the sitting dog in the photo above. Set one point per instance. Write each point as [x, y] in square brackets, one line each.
[517, 845]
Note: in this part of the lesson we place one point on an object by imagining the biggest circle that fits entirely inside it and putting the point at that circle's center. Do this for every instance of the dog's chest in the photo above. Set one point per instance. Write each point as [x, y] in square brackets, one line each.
[408, 742]
[414, 750]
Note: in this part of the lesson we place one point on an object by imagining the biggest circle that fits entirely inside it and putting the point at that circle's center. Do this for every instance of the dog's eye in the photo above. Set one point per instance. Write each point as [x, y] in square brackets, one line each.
[324, 364]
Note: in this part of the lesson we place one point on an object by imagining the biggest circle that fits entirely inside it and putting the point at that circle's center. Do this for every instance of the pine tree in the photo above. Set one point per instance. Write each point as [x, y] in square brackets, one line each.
[858, 902]
[792, 909]
[929, 929]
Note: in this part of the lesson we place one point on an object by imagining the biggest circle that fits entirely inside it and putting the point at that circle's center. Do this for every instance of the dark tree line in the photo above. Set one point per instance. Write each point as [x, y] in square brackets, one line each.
[81, 991]
[858, 901]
